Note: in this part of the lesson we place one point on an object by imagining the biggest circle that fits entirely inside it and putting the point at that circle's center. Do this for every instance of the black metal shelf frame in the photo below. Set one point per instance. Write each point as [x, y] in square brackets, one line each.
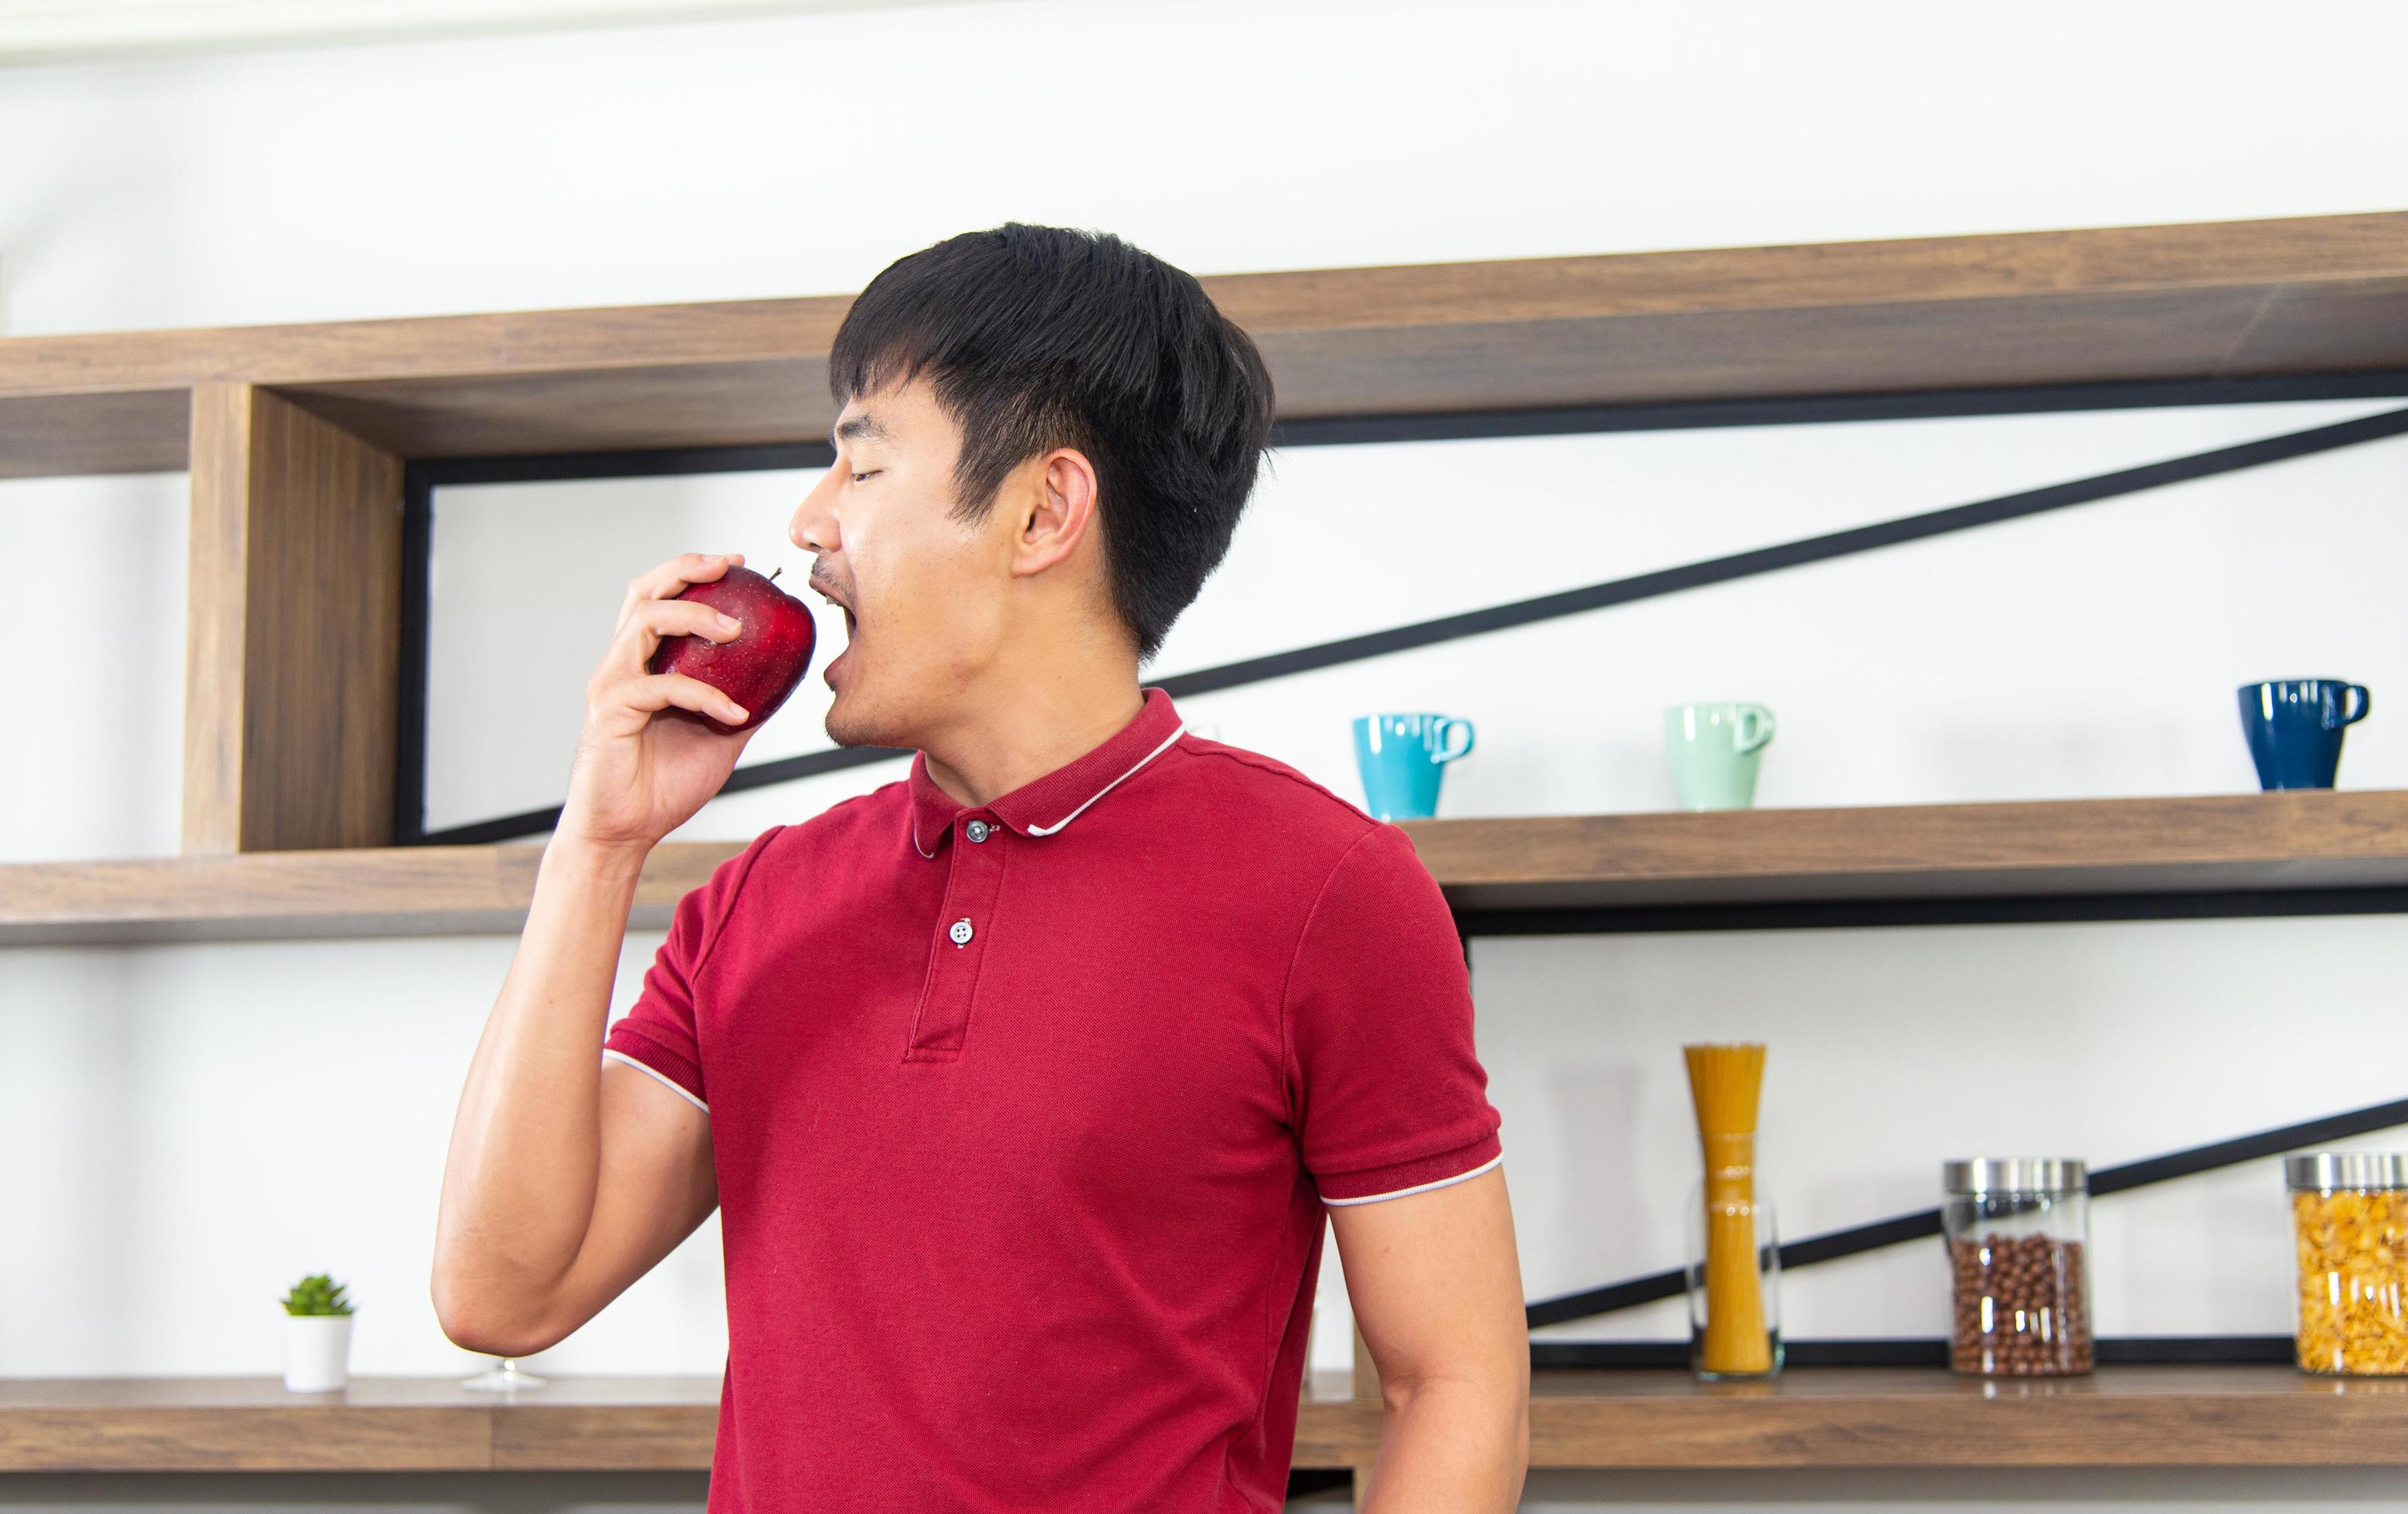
[422, 479]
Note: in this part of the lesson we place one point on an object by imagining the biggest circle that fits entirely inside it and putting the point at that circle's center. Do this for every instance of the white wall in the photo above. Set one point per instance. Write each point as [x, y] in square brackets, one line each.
[255, 1110]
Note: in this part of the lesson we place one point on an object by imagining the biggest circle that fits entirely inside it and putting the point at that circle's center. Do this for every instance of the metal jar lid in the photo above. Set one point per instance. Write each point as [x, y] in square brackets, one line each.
[2014, 1174]
[2315, 1171]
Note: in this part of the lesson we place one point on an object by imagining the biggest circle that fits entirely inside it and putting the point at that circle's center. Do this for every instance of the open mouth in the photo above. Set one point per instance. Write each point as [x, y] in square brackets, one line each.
[828, 674]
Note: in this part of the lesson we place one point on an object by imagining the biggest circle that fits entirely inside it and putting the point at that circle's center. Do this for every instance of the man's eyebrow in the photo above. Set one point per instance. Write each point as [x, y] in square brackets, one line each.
[862, 424]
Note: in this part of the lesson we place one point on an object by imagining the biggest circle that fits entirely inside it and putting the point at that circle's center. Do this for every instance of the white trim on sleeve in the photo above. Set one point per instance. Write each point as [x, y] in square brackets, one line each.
[655, 1073]
[1421, 1187]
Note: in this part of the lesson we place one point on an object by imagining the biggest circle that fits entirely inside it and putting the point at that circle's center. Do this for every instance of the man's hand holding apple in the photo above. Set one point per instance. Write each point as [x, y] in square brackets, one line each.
[637, 778]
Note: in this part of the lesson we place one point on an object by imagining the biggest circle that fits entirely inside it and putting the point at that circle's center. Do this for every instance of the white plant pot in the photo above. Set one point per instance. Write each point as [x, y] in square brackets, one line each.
[317, 1352]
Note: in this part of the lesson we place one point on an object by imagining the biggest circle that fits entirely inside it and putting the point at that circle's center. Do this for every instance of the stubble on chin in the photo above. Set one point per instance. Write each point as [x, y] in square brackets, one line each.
[848, 728]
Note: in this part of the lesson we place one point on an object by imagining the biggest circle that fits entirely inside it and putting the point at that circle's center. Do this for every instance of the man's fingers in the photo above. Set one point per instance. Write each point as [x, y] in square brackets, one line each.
[649, 621]
[666, 580]
[654, 691]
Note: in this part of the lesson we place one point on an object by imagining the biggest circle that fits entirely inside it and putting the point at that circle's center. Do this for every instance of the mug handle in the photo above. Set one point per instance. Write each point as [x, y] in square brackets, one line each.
[2365, 704]
[1446, 734]
[1759, 720]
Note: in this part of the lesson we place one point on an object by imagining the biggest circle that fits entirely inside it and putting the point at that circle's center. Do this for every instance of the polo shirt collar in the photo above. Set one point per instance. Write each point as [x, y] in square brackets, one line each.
[1044, 805]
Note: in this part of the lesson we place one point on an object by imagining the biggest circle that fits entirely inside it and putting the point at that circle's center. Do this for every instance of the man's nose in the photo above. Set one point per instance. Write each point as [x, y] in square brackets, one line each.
[813, 525]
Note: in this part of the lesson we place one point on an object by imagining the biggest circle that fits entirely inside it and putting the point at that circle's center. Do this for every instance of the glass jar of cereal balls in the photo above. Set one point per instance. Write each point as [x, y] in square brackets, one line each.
[2349, 1215]
[2016, 1227]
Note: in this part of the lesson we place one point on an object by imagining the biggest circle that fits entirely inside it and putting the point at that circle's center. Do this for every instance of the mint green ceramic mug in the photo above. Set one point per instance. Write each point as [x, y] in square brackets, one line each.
[1714, 750]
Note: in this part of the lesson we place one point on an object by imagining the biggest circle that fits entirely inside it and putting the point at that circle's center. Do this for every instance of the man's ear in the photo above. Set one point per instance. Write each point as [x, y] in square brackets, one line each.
[1059, 509]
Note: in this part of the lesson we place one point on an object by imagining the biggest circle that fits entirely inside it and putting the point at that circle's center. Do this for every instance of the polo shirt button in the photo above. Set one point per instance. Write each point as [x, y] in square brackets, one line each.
[978, 830]
[960, 933]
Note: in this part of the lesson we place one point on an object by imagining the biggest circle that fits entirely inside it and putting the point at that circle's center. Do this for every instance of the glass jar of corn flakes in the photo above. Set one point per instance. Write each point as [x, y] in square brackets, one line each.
[2349, 1210]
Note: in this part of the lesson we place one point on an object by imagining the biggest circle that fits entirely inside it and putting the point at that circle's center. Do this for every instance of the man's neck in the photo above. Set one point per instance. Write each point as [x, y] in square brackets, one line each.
[1039, 727]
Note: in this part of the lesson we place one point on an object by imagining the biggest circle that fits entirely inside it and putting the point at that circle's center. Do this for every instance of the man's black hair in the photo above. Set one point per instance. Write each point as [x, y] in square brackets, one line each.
[1034, 337]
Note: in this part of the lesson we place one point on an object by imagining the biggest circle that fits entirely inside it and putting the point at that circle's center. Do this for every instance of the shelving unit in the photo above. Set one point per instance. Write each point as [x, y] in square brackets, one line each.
[296, 438]
[1816, 1417]
[2291, 841]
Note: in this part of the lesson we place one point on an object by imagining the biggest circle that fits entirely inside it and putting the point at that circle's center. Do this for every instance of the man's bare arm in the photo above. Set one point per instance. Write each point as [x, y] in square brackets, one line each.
[1436, 1283]
[567, 1182]
[569, 1177]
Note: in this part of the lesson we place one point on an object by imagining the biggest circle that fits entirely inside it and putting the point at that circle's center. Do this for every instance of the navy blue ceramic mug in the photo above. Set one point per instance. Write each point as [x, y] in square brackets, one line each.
[2294, 727]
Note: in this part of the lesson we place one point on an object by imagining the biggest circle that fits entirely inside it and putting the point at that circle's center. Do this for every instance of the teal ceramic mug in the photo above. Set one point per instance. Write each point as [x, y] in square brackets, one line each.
[1401, 758]
[1714, 750]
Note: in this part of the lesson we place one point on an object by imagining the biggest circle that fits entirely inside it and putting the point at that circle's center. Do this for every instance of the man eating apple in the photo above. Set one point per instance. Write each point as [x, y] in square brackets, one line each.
[1022, 1084]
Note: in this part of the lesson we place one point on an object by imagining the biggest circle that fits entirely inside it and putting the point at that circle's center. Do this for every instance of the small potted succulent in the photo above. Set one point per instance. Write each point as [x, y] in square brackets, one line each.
[317, 1336]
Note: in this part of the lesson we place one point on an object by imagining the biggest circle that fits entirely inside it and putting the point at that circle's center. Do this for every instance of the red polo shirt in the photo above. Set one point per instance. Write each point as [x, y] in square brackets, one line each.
[1023, 1116]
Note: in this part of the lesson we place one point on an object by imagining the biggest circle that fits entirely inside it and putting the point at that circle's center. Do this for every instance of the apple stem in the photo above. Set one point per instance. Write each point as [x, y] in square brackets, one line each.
[775, 571]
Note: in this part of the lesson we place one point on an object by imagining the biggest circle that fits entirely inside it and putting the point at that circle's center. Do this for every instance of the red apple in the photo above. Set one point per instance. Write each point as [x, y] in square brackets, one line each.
[760, 666]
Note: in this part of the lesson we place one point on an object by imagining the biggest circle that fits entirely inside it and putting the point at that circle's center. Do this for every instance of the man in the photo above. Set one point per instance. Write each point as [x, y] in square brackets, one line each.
[1023, 1082]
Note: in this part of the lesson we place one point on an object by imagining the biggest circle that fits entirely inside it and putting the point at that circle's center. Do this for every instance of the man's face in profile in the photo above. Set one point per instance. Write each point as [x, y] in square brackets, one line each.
[922, 596]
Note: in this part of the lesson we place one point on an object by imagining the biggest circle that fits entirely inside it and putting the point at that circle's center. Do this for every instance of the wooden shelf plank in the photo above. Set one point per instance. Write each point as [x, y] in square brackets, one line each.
[263, 896]
[2325, 294]
[2297, 839]
[2300, 840]
[1927, 1417]
[375, 1425]
[1814, 1417]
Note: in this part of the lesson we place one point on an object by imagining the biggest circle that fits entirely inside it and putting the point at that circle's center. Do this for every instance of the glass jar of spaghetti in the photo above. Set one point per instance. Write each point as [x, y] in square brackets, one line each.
[2349, 1215]
[2016, 1229]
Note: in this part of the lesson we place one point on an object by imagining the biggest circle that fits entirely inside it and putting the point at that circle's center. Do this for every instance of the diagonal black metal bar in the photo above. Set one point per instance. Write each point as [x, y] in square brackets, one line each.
[1795, 554]
[1924, 1223]
[1625, 591]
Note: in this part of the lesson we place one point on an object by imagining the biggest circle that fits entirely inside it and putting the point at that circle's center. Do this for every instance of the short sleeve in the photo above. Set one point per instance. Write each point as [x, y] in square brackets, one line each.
[660, 1034]
[1385, 1091]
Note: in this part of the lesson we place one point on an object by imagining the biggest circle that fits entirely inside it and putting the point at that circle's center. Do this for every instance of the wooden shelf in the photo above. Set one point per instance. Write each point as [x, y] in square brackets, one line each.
[377, 1424]
[331, 891]
[2302, 839]
[2316, 295]
[2298, 839]
[1927, 1417]
[1814, 1417]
